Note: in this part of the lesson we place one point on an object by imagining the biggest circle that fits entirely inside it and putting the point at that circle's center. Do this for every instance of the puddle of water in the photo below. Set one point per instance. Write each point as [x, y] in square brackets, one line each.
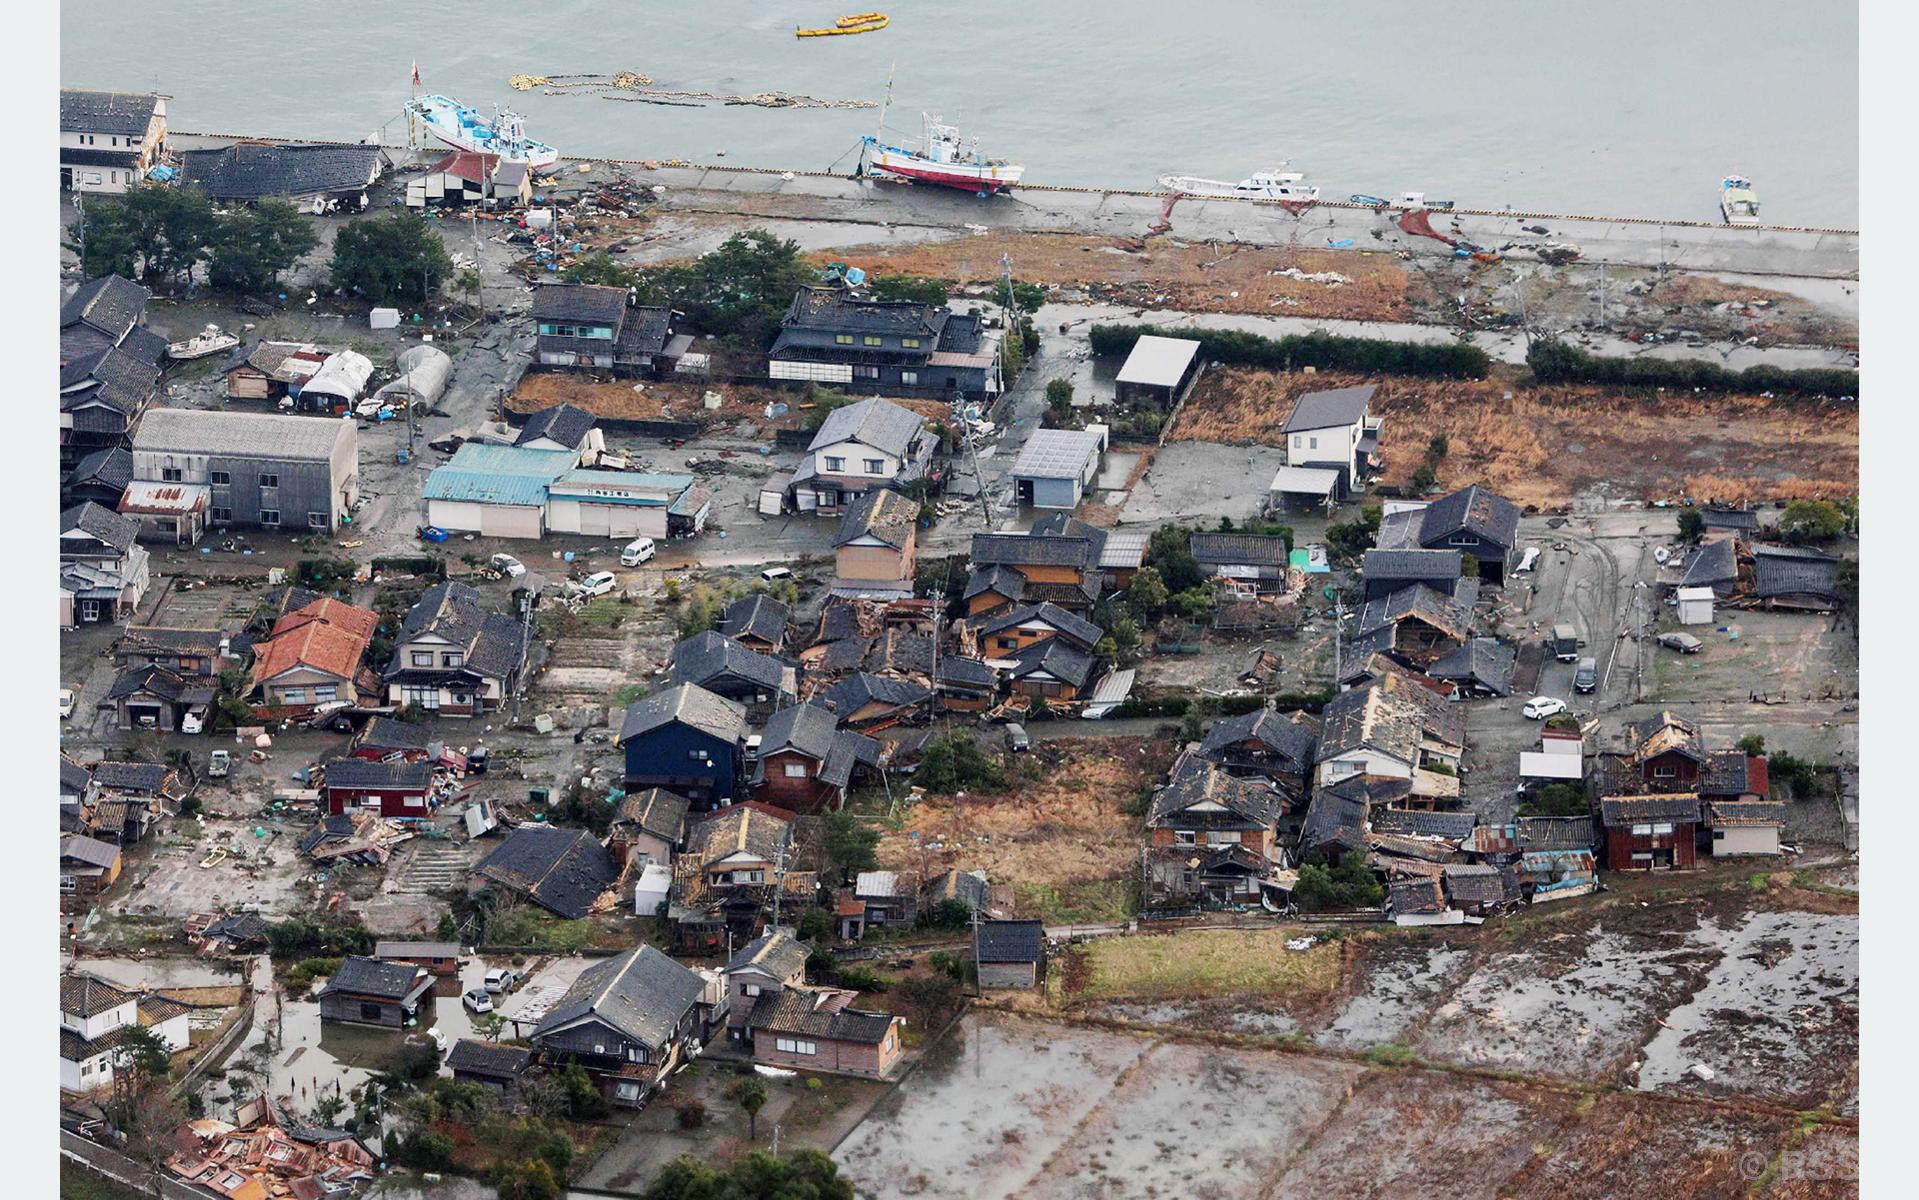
[1400, 987]
[985, 1110]
[1520, 1011]
[1272, 1023]
[155, 973]
[1781, 1005]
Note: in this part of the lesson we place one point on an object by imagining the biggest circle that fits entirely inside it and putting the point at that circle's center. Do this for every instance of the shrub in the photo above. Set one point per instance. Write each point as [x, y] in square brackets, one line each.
[1753, 743]
[1449, 360]
[1558, 800]
[1350, 884]
[955, 763]
[1812, 521]
[428, 1150]
[860, 979]
[692, 1113]
[1556, 362]
[816, 924]
[1692, 526]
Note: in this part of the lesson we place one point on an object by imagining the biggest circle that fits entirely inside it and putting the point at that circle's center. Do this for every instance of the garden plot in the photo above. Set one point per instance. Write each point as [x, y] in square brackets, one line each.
[1778, 1016]
[1175, 1125]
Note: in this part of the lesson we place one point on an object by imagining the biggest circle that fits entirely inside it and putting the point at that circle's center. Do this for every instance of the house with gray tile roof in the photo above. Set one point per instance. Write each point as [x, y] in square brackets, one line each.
[305, 175]
[629, 1020]
[1334, 430]
[562, 870]
[757, 682]
[454, 657]
[109, 140]
[687, 740]
[863, 446]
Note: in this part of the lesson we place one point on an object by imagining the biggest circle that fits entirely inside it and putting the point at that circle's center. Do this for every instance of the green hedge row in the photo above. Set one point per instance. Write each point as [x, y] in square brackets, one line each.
[1557, 362]
[1445, 360]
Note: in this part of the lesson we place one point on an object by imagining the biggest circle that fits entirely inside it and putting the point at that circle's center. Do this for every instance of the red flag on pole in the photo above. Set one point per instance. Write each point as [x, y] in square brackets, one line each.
[416, 74]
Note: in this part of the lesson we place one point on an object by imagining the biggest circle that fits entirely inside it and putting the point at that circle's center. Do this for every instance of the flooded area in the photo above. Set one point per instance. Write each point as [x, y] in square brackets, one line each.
[309, 1057]
[1777, 1017]
[1399, 989]
[154, 974]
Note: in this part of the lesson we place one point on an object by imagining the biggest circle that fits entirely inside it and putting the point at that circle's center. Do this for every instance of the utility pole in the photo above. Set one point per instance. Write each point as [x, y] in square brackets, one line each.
[1339, 635]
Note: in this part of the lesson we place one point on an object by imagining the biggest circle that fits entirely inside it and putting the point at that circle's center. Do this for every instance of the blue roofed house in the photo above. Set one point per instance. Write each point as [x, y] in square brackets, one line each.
[869, 444]
[495, 491]
[687, 740]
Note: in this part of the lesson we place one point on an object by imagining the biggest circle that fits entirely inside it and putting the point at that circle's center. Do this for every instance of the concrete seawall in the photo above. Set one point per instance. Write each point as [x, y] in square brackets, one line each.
[1693, 245]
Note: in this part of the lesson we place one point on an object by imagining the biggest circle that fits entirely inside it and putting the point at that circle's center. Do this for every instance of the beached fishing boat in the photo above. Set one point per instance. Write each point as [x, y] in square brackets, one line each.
[1261, 185]
[942, 159]
[210, 340]
[1738, 203]
[857, 23]
[463, 128]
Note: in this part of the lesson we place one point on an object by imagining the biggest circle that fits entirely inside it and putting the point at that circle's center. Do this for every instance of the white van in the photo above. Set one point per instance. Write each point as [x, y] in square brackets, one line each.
[637, 551]
[775, 574]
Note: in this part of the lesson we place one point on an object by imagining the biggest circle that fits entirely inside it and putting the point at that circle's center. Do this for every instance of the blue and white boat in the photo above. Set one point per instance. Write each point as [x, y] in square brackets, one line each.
[464, 128]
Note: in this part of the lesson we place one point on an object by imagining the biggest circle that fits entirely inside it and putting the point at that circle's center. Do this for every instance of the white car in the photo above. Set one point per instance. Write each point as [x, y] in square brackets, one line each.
[1540, 707]
[775, 574]
[66, 703]
[193, 722]
[636, 552]
[477, 1000]
[513, 567]
[500, 979]
[598, 584]
[1527, 560]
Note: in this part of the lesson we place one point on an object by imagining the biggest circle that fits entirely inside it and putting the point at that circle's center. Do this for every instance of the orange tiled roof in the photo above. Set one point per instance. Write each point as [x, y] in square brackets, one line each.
[325, 635]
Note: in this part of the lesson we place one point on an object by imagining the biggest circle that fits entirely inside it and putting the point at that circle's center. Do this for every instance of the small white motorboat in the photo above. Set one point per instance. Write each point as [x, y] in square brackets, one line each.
[1738, 202]
[210, 340]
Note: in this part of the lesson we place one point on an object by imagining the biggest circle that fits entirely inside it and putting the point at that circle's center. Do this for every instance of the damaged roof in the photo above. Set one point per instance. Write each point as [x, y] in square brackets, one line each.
[1453, 826]
[358, 774]
[1663, 732]
[1485, 661]
[1073, 626]
[1419, 602]
[1286, 737]
[810, 1013]
[1780, 571]
[658, 812]
[1419, 565]
[1390, 715]
[1198, 794]
[1239, 549]
[689, 705]
[491, 1059]
[1486, 515]
[737, 828]
[1734, 773]
[360, 976]
[862, 688]
[641, 994]
[882, 514]
[759, 616]
[563, 870]
[1334, 820]
[1715, 561]
[252, 171]
[775, 953]
[1615, 811]
[560, 423]
[1415, 896]
[707, 656]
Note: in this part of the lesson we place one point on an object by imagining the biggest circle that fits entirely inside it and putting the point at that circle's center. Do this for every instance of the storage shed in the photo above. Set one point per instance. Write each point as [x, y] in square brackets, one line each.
[424, 371]
[495, 491]
[1158, 371]
[1056, 466]
[338, 384]
[1009, 953]
[1695, 605]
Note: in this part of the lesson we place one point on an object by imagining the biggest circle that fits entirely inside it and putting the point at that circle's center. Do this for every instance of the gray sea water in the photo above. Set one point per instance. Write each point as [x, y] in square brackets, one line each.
[1628, 108]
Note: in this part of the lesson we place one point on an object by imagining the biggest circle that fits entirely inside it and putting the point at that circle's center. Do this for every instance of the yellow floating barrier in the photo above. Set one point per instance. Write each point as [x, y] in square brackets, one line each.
[857, 23]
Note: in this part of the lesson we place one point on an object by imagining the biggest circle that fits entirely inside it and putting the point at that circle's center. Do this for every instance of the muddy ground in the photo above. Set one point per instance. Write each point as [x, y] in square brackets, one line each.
[1065, 833]
[1550, 446]
[1013, 1107]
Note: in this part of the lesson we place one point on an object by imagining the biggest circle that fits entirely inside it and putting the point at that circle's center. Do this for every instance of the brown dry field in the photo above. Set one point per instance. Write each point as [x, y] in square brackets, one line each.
[1067, 827]
[1542, 446]
[616, 400]
[1190, 277]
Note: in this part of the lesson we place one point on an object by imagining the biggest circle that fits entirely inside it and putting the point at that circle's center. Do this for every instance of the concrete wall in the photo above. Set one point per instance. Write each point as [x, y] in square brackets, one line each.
[1737, 840]
[1056, 493]
[1012, 975]
[881, 564]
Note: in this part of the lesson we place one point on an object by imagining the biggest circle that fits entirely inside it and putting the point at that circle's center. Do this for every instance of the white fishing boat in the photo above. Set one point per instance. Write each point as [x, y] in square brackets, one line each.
[1275, 184]
[944, 159]
[464, 128]
[1738, 203]
[211, 340]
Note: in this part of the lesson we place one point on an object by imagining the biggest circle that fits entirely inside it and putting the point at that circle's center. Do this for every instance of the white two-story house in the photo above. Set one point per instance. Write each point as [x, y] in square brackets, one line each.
[94, 1017]
[109, 140]
[870, 444]
[1336, 431]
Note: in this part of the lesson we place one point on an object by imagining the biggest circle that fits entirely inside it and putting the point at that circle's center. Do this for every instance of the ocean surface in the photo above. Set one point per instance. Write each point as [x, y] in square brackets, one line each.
[1630, 108]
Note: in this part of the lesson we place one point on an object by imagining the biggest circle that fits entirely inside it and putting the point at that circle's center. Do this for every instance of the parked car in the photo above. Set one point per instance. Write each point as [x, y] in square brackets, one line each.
[775, 574]
[599, 583]
[1685, 643]
[500, 979]
[636, 552]
[66, 703]
[1527, 560]
[513, 567]
[1563, 641]
[1586, 676]
[218, 764]
[1540, 707]
[477, 1000]
[193, 721]
[1016, 739]
[476, 761]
